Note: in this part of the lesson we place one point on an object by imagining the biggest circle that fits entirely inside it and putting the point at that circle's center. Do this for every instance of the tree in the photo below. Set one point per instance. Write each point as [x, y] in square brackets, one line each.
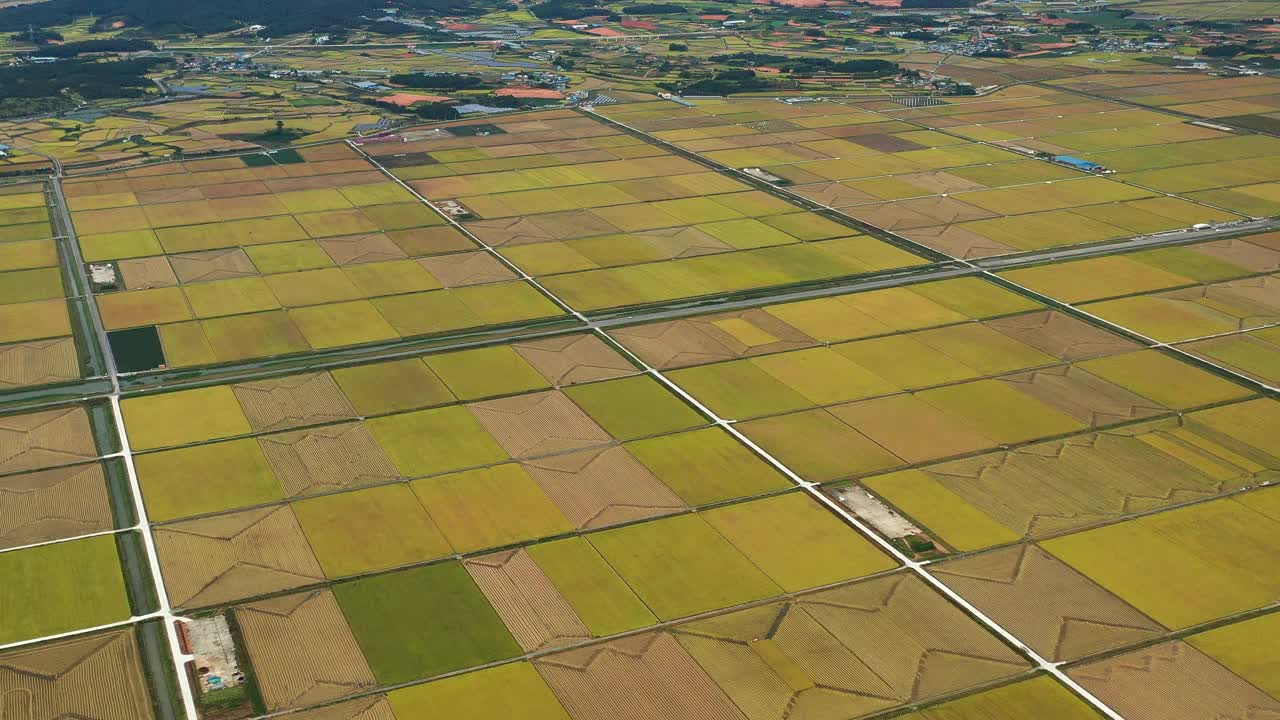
[1223, 51]
[436, 111]
[279, 126]
[677, 47]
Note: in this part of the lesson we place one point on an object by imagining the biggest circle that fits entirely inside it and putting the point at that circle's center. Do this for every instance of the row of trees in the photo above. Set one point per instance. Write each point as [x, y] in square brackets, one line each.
[809, 65]
[72, 49]
[440, 81]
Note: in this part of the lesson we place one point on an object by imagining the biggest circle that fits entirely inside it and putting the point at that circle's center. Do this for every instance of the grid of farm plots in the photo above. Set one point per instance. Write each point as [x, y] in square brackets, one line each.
[946, 178]
[248, 257]
[1250, 101]
[541, 529]
[1228, 174]
[37, 343]
[1219, 300]
[71, 560]
[604, 219]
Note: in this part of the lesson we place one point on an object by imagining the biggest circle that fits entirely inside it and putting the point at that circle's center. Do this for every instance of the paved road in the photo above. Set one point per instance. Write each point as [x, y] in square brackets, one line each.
[99, 336]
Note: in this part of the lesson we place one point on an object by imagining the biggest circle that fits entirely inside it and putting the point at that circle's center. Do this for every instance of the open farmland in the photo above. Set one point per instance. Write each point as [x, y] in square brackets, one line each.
[842, 396]
[98, 675]
[1175, 677]
[37, 339]
[1020, 375]
[1230, 99]
[320, 462]
[955, 178]
[606, 220]
[262, 255]
[227, 118]
[1217, 300]
[61, 566]
[538, 507]
[1169, 548]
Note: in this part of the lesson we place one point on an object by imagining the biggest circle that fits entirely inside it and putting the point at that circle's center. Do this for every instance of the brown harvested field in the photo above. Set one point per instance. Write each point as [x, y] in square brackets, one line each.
[914, 661]
[53, 504]
[352, 164]
[39, 362]
[911, 428]
[529, 604]
[1065, 484]
[426, 240]
[1246, 252]
[144, 273]
[922, 212]
[681, 242]
[358, 176]
[602, 486]
[211, 192]
[779, 662]
[219, 559]
[540, 228]
[1084, 396]
[153, 197]
[293, 401]
[940, 182]
[724, 336]
[644, 677]
[367, 708]
[331, 151]
[464, 269]
[836, 194]
[1061, 335]
[45, 439]
[328, 458]
[1173, 680]
[246, 206]
[888, 143]
[99, 677]
[212, 265]
[574, 359]
[1058, 612]
[357, 249]
[302, 650]
[958, 242]
[538, 423]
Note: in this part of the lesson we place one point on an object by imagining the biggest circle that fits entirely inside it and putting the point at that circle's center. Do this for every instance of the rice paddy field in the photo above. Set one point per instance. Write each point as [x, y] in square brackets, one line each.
[225, 117]
[606, 220]
[1217, 300]
[1223, 173]
[957, 177]
[38, 344]
[1233, 100]
[572, 421]
[563, 527]
[95, 675]
[61, 565]
[262, 255]
[972, 413]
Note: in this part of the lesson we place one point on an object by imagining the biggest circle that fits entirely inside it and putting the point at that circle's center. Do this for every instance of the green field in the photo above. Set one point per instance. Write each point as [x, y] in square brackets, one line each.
[423, 622]
[58, 588]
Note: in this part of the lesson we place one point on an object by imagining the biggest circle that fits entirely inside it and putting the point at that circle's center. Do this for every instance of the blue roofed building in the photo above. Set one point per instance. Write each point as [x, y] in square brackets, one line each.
[1081, 164]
